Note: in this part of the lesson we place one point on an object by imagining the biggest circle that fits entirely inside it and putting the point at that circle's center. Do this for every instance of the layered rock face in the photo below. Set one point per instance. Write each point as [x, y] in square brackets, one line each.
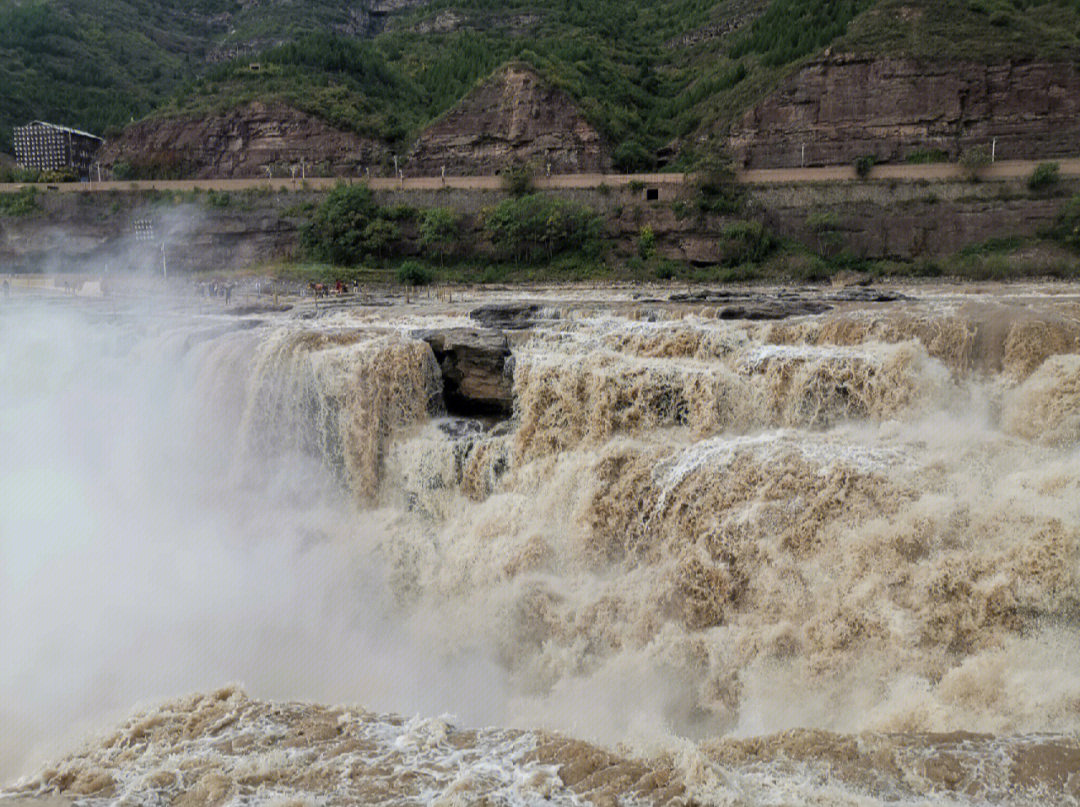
[841, 108]
[256, 140]
[513, 117]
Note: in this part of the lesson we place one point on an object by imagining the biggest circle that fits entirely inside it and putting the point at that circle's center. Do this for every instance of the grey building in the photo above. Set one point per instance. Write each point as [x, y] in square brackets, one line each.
[48, 147]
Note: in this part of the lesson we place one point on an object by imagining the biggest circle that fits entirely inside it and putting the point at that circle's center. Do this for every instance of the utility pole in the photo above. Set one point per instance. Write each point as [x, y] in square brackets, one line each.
[804, 155]
[993, 151]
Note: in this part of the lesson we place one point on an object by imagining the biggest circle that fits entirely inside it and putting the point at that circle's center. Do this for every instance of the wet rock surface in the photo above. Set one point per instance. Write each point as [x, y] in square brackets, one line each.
[477, 370]
[507, 316]
[752, 305]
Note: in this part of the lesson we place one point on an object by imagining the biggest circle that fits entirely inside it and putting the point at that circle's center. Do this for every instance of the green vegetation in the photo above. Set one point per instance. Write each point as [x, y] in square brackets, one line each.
[635, 68]
[349, 226]
[974, 161]
[967, 30]
[413, 273]
[1045, 176]
[791, 29]
[20, 203]
[747, 242]
[863, 165]
[718, 191]
[218, 199]
[825, 225]
[1066, 228]
[646, 243]
[517, 179]
[925, 156]
[536, 227]
[440, 231]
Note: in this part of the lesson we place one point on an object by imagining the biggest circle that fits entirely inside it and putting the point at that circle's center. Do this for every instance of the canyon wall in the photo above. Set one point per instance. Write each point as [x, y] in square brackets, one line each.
[903, 220]
[513, 117]
[256, 140]
[840, 107]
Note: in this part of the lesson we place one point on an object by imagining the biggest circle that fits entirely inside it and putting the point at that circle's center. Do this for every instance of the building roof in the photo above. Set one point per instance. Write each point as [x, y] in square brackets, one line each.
[67, 129]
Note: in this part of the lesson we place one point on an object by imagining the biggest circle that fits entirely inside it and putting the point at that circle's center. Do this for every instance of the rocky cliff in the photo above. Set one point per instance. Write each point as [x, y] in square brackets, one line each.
[515, 116]
[841, 107]
[255, 140]
[909, 221]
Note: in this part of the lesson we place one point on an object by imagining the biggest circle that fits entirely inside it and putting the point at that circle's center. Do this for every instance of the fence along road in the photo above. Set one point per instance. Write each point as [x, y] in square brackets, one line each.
[1001, 170]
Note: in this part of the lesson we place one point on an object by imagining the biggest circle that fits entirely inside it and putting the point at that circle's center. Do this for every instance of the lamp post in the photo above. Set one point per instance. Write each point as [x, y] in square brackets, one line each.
[144, 232]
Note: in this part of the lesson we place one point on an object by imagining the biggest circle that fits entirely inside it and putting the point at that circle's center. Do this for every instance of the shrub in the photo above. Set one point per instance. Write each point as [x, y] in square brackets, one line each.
[667, 270]
[218, 199]
[413, 273]
[646, 244]
[974, 160]
[631, 156]
[517, 179]
[537, 226]
[717, 187]
[1044, 176]
[21, 203]
[923, 156]
[123, 170]
[747, 242]
[863, 165]
[58, 175]
[1066, 227]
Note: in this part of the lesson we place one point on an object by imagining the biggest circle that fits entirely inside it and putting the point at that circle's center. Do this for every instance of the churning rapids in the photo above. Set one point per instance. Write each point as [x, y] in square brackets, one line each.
[827, 559]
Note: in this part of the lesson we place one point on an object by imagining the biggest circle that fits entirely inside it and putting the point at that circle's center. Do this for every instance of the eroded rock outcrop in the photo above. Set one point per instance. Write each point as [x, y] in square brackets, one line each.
[256, 140]
[476, 367]
[843, 107]
[513, 117]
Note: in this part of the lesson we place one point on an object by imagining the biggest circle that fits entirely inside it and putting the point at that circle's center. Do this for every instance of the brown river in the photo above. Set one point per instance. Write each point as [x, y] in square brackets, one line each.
[755, 547]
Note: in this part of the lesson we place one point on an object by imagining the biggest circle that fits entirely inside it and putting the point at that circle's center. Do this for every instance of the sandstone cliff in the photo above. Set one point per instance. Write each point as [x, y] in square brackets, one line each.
[256, 140]
[515, 116]
[841, 108]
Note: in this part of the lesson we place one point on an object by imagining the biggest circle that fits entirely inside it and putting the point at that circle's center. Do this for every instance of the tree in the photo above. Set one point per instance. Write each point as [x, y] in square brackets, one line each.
[336, 233]
[537, 226]
[413, 273]
[716, 182]
[826, 226]
[378, 235]
[439, 231]
[631, 156]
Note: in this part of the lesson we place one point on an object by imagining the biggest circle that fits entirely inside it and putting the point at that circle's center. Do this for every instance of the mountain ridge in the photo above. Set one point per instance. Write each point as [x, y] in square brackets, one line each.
[658, 81]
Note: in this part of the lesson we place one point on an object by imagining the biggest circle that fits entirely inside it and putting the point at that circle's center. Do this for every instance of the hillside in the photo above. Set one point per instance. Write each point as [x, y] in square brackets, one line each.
[653, 79]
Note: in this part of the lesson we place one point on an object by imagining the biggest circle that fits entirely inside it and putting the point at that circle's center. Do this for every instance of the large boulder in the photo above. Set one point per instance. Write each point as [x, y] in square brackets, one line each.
[477, 370]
